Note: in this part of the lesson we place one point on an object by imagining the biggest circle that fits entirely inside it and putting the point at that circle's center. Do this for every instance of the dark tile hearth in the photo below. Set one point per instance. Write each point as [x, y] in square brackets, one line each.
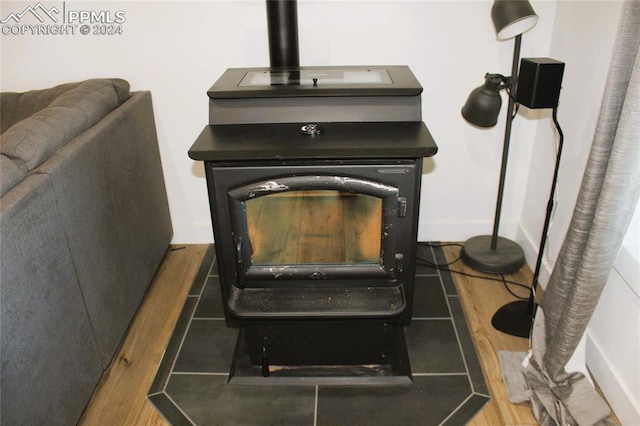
[191, 386]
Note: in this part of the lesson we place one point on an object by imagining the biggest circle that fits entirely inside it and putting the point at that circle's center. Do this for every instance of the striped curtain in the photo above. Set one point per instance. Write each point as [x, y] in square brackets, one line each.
[605, 206]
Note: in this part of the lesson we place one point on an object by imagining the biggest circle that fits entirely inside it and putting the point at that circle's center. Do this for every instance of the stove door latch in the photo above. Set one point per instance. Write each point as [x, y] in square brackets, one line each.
[240, 263]
[402, 206]
[399, 262]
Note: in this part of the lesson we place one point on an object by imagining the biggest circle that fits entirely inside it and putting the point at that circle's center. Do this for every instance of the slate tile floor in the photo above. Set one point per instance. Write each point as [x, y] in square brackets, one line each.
[448, 386]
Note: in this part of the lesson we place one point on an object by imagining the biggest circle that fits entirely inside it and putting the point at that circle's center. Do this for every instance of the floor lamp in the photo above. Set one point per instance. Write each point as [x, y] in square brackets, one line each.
[491, 253]
[536, 86]
[516, 318]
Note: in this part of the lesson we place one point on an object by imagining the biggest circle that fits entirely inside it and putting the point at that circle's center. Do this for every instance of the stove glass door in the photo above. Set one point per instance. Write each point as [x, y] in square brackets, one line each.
[314, 227]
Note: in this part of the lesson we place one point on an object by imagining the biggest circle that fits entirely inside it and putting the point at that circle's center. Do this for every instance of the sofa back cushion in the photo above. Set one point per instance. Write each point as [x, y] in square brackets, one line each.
[12, 172]
[8, 108]
[18, 106]
[49, 119]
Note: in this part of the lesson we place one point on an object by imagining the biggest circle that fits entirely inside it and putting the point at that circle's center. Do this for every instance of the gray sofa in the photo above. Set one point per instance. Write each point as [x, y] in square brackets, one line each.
[84, 224]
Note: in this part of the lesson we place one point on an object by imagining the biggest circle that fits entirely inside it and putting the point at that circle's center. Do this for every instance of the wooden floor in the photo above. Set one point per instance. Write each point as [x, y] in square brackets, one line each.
[120, 398]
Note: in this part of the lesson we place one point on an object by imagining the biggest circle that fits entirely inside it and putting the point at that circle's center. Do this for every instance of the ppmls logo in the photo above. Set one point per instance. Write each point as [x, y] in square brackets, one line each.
[59, 19]
[39, 11]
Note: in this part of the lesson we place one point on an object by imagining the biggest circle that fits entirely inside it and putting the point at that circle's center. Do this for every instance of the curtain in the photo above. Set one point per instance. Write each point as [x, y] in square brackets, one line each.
[606, 203]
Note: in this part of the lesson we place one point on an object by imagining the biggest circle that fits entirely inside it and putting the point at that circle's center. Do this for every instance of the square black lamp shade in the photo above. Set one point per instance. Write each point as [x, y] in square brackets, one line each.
[539, 82]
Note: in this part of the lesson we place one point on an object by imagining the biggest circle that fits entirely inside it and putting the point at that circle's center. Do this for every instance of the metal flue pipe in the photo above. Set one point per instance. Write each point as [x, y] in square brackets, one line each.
[282, 22]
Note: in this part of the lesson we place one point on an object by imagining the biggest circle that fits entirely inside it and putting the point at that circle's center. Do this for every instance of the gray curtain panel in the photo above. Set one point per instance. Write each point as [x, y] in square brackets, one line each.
[606, 203]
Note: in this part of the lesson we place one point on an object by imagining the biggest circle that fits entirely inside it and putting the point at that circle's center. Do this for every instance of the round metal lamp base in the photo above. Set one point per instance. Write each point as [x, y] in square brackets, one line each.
[506, 258]
[514, 318]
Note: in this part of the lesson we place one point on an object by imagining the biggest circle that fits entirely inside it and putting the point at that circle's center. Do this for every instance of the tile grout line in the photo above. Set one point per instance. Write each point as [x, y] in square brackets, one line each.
[451, 414]
[431, 319]
[455, 328]
[207, 319]
[461, 373]
[188, 327]
[450, 318]
[315, 408]
[198, 373]
[179, 409]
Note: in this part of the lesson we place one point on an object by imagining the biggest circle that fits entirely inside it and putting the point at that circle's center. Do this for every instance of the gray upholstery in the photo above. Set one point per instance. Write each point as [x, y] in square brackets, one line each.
[84, 224]
[12, 172]
[48, 349]
[18, 106]
[40, 126]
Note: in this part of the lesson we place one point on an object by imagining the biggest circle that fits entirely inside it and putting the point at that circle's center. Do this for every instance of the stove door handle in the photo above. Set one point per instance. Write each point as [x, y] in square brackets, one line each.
[240, 270]
[402, 207]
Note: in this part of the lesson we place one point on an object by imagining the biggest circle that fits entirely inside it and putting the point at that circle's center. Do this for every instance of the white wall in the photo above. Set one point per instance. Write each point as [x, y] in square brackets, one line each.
[612, 344]
[178, 49]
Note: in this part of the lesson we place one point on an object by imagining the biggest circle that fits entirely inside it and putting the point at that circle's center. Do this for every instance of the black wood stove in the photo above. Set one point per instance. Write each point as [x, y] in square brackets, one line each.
[314, 176]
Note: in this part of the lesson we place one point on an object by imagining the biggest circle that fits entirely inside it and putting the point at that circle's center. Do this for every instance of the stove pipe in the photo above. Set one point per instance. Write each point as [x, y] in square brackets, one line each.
[282, 23]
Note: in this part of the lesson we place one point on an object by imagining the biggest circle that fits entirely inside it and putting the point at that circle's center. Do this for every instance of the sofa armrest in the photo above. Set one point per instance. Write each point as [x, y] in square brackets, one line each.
[112, 201]
[50, 360]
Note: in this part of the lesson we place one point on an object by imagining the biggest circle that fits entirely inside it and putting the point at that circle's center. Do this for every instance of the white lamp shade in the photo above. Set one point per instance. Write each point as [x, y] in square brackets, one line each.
[512, 17]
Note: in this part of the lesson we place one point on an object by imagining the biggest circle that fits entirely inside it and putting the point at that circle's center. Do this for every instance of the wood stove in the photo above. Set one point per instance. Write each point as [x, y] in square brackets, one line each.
[314, 176]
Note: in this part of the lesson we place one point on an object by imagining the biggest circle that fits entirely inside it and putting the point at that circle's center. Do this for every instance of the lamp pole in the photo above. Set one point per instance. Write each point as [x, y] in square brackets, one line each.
[507, 139]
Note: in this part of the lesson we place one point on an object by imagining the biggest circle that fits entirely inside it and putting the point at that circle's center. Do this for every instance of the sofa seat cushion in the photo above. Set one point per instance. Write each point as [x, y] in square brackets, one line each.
[32, 140]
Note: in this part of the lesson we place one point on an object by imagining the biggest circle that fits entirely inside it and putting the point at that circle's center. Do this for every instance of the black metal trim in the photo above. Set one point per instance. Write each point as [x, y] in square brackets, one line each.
[237, 203]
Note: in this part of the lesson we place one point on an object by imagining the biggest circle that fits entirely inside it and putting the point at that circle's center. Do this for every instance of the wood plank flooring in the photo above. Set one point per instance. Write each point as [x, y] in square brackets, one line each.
[120, 398]
[480, 299]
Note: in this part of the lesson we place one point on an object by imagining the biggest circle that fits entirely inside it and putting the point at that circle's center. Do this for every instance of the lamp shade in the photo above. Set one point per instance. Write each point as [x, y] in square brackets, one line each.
[512, 17]
[484, 102]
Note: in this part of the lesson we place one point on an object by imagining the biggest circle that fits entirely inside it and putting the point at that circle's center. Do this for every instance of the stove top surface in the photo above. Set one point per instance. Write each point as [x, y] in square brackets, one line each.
[317, 77]
[316, 81]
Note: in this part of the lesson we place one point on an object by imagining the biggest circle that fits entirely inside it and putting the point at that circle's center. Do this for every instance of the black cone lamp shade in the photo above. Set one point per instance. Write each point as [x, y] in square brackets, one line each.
[512, 17]
[484, 103]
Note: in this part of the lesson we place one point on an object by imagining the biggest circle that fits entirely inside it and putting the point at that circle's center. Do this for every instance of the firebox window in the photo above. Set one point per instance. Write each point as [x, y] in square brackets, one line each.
[314, 227]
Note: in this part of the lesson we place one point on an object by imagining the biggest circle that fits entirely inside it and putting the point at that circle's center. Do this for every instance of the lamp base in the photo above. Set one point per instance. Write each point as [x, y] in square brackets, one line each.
[514, 318]
[506, 258]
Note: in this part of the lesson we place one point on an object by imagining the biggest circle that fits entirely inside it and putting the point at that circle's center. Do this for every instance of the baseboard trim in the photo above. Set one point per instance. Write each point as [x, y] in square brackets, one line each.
[618, 397]
[192, 233]
[530, 247]
[462, 231]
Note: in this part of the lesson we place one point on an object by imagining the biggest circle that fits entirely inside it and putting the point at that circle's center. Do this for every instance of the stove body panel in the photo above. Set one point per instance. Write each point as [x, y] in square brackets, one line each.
[369, 131]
